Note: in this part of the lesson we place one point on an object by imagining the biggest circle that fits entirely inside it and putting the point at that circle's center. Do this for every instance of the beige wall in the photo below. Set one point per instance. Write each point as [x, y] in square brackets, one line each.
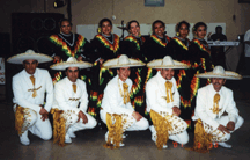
[92, 11]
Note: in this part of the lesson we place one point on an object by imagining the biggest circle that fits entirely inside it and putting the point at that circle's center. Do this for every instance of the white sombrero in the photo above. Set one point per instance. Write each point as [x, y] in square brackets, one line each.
[19, 58]
[166, 62]
[122, 61]
[71, 62]
[219, 72]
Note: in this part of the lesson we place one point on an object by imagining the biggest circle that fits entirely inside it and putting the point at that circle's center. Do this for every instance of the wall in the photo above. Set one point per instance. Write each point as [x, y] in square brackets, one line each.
[92, 11]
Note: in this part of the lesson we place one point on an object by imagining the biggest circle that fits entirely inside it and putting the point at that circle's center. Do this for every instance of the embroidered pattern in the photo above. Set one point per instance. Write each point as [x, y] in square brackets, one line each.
[158, 40]
[113, 47]
[201, 46]
[177, 40]
[133, 40]
[70, 53]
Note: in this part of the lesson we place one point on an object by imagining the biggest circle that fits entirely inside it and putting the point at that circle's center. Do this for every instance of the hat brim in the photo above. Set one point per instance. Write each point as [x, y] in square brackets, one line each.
[156, 64]
[114, 63]
[63, 66]
[19, 58]
[228, 75]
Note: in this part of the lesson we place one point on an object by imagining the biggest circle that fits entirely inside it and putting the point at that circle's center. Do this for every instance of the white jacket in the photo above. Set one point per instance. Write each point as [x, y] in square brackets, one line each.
[22, 86]
[155, 90]
[112, 100]
[205, 101]
[67, 99]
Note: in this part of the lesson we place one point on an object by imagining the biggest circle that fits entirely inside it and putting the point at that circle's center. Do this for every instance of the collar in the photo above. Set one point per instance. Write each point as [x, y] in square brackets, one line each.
[66, 35]
[201, 39]
[161, 79]
[28, 75]
[159, 36]
[70, 83]
[106, 36]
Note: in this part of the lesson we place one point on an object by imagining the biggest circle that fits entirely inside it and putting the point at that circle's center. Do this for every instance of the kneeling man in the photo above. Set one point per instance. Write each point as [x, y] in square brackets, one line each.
[116, 101]
[215, 99]
[69, 92]
[163, 103]
[29, 87]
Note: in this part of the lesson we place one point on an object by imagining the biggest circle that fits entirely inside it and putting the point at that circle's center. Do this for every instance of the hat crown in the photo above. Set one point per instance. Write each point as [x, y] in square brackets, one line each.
[71, 60]
[123, 60]
[219, 70]
[167, 61]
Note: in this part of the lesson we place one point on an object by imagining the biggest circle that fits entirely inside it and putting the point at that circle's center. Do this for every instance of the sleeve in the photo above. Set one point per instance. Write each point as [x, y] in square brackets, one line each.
[61, 98]
[201, 111]
[171, 51]
[49, 92]
[195, 53]
[19, 96]
[95, 50]
[231, 108]
[151, 100]
[114, 103]
[176, 95]
[84, 99]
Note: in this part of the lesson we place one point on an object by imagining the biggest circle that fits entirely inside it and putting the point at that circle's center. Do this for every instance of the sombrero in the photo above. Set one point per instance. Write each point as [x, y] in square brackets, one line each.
[166, 62]
[71, 62]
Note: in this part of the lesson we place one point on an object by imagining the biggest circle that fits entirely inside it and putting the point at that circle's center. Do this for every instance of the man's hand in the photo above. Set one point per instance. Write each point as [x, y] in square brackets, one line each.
[83, 117]
[43, 112]
[176, 111]
[223, 129]
[231, 126]
[137, 116]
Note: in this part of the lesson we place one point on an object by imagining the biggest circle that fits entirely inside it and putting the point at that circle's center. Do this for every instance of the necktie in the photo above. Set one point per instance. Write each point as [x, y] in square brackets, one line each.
[33, 81]
[168, 91]
[216, 104]
[126, 97]
[74, 87]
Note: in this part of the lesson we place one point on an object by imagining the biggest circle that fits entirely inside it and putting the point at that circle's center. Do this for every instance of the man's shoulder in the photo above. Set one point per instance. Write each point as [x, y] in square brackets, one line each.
[226, 90]
[18, 75]
[205, 89]
[61, 82]
[152, 81]
[41, 71]
[112, 82]
[81, 82]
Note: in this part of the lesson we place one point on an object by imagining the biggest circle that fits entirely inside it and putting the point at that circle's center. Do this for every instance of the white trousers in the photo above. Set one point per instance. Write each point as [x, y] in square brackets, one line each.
[131, 123]
[73, 125]
[34, 123]
[219, 136]
[178, 134]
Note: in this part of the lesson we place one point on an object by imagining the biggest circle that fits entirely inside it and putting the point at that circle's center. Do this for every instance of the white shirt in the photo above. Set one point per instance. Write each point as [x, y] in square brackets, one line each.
[112, 101]
[22, 87]
[205, 102]
[247, 46]
[155, 91]
[67, 99]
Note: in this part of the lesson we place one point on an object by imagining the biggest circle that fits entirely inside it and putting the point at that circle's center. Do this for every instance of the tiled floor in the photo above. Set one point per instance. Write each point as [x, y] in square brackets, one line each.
[138, 145]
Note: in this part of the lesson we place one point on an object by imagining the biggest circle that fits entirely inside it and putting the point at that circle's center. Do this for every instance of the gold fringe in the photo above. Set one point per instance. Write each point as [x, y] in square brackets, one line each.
[115, 130]
[202, 140]
[59, 127]
[162, 127]
[19, 119]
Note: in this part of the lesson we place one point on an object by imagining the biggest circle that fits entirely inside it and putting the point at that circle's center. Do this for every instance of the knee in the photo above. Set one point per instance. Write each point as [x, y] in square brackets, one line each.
[183, 138]
[240, 121]
[144, 123]
[91, 122]
[46, 136]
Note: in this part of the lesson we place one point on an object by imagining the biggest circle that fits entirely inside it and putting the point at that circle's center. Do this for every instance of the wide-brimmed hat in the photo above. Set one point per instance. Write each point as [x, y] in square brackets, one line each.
[166, 62]
[219, 72]
[71, 62]
[19, 58]
[123, 61]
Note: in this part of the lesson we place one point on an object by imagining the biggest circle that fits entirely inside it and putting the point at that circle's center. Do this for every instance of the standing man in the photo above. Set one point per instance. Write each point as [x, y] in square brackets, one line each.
[29, 87]
[116, 101]
[163, 103]
[215, 99]
[69, 92]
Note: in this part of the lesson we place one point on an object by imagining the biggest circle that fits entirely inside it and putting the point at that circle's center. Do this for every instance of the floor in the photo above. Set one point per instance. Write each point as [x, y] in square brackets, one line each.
[88, 144]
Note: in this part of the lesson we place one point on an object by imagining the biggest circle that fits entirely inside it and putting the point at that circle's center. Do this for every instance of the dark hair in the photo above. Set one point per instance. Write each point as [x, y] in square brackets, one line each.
[129, 24]
[197, 25]
[218, 27]
[63, 20]
[178, 26]
[105, 20]
[158, 21]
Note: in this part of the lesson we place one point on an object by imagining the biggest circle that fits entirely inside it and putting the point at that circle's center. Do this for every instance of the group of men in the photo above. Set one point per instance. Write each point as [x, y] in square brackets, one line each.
[69, 96]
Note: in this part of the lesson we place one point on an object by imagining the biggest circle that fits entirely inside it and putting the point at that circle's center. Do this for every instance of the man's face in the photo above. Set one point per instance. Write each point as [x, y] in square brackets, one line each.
[218, 83]
[72, 73]
[123, 73]
[201, 32]
[66, 27]
[30, 65]
[106, 28]
[183, 31]
[159, 29]
[135, 29]
[167, 73]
